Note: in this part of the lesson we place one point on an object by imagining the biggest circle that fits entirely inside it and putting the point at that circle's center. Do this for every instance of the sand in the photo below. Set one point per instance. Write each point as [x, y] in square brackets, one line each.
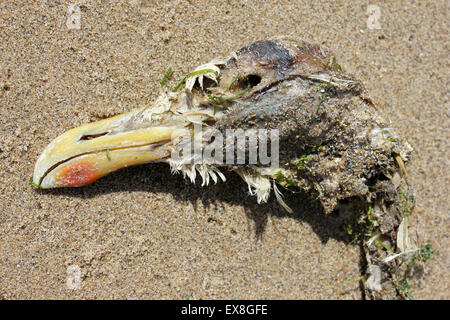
[142, 233]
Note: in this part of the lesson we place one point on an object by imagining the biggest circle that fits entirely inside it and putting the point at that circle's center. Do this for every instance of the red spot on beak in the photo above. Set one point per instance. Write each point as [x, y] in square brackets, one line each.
[77, 174]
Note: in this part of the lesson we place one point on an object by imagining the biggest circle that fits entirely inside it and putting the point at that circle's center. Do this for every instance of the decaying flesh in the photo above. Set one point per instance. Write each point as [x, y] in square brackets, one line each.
[333, 142]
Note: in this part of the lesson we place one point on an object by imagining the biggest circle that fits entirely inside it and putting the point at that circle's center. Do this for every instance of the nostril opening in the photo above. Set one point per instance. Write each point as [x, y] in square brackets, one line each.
[92, 136]
[253, 80]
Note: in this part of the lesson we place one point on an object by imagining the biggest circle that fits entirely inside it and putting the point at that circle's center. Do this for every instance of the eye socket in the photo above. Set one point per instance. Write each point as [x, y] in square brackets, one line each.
[253, 80]
[246, 82]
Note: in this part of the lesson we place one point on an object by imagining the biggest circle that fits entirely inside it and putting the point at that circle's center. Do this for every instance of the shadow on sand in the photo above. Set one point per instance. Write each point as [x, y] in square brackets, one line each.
[156, 178]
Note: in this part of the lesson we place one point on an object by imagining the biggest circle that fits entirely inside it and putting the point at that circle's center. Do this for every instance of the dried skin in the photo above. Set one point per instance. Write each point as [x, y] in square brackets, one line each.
[321, 113]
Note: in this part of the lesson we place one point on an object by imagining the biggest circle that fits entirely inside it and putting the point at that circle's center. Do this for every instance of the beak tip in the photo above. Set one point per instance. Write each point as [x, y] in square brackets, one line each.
[71, 160]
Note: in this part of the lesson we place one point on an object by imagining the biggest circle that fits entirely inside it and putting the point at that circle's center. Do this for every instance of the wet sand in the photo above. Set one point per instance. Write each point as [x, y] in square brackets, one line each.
[144, 233]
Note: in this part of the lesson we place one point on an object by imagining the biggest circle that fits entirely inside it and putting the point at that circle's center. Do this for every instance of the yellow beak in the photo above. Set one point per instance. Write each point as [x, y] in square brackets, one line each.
[84, 154]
